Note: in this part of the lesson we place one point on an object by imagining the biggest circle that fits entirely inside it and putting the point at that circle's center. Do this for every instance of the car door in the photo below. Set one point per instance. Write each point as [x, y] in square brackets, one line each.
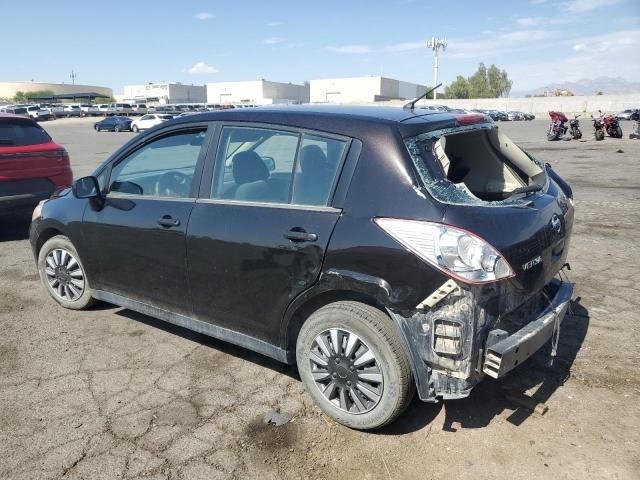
[137, 232]
[255, 240]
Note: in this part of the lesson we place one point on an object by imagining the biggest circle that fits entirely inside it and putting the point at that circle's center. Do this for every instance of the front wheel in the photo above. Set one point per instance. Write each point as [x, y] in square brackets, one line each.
[551, 136]
[354, 365]
[619, 132]
[135, 129]
[63, 275]
[116, 129]
[599, 134]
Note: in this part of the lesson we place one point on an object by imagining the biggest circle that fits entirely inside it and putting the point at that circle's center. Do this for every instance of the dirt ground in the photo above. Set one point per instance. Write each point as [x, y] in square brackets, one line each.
[110, 394]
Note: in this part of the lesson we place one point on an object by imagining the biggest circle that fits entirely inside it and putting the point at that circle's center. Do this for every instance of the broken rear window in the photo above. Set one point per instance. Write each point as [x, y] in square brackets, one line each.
[474, 165]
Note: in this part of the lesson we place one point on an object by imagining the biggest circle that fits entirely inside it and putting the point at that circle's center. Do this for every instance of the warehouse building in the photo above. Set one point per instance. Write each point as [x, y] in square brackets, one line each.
[257, 92]
[363, 90]
[8, 90]
[165, 92]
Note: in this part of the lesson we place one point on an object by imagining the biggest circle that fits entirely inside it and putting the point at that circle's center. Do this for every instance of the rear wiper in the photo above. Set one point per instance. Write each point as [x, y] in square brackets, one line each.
[526, 190]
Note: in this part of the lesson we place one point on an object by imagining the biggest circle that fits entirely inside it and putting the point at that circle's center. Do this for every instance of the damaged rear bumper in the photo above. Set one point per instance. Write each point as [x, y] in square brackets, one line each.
[505, 352]
[474, 332]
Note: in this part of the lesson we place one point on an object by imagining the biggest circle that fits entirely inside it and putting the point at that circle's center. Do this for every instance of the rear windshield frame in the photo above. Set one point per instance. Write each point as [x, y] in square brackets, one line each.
[429, 172]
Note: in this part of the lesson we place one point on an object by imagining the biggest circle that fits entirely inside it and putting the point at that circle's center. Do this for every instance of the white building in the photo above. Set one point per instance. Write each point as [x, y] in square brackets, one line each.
[258, 92]
[362, 90]
[165, 93]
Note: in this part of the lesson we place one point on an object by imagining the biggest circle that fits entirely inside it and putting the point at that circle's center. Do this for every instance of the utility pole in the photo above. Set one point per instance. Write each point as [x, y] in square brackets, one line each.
[73, 77]
[435, 44]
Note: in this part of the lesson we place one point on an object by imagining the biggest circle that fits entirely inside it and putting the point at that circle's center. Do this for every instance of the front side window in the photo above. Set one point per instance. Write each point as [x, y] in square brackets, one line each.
[162, 168]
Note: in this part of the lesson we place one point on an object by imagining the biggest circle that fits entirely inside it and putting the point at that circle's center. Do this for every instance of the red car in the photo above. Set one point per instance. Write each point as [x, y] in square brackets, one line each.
[32, 165]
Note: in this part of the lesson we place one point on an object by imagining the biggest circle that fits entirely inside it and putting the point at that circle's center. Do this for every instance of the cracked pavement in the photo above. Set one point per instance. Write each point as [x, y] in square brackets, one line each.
[109, 393]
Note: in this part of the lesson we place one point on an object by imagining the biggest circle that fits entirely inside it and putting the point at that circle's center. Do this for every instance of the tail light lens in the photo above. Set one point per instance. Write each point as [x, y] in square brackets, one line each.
[457, 253]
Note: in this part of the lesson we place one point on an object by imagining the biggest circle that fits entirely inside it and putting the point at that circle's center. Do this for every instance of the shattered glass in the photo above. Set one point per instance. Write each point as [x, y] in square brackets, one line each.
[444, 190]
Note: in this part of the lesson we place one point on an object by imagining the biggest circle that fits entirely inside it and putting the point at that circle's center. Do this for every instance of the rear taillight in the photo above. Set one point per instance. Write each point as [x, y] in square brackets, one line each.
[456, 252]
[61, 153]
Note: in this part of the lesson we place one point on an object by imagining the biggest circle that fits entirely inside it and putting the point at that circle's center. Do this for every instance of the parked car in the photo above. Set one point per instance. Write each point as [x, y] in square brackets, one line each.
[36, 113]
[20, 111]
[103, 108]
[529, 116]
[115, 123]
[139, 109]
[119, 109]
[32, 165]
[625, 114]
[88, 110]
[149, 120]
[515, 116]
[261, 227]
[67, 111]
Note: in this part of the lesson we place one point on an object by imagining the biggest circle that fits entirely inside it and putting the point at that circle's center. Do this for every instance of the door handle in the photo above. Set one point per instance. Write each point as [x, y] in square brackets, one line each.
[168, 221]
[299, 235]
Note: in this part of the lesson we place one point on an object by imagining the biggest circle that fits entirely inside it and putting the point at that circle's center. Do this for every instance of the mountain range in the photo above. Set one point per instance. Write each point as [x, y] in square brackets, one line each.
[588, 86]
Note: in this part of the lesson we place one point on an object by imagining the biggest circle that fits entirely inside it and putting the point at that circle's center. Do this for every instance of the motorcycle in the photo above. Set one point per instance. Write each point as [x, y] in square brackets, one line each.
[557, 128]
[574, 128]
[636, 133]
[598, 127]
[612, 126]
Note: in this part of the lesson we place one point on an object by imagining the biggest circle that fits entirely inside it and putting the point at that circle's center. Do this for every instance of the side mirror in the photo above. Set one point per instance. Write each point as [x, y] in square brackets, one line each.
[86, 187]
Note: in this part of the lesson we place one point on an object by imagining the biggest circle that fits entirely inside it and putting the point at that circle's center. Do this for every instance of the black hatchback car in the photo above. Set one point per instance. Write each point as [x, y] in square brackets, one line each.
[380, 249]
[115, 123]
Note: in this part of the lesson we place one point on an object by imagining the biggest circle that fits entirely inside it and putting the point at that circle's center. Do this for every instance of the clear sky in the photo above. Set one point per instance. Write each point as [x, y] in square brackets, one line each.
[199, 41]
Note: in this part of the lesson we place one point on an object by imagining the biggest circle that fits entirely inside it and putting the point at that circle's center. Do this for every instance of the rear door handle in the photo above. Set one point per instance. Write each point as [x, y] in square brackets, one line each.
[296, 235]
[168, 221]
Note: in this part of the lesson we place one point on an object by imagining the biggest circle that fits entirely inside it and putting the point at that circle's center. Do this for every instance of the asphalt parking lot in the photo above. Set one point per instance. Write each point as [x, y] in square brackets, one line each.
[109, 393]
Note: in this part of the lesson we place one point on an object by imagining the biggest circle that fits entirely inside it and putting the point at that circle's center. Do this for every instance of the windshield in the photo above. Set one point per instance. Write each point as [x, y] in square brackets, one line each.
[474, 165]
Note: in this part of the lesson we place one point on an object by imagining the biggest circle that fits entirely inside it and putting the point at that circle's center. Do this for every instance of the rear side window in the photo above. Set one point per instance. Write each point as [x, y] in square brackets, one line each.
[316, 169]
[18, 132]
[276, 166]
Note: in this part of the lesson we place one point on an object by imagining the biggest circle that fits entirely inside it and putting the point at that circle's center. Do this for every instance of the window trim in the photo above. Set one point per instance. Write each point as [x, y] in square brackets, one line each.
[206, 189]
[129, 149]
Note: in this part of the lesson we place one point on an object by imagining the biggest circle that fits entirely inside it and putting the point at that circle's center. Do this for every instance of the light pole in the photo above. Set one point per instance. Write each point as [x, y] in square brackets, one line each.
[435, 44]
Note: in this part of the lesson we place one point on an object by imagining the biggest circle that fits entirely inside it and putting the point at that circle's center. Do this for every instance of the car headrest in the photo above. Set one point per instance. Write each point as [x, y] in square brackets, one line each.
[313, 159]
[249, 167]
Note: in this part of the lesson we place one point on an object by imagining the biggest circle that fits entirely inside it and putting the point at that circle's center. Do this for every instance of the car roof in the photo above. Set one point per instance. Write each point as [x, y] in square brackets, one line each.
[372, 114]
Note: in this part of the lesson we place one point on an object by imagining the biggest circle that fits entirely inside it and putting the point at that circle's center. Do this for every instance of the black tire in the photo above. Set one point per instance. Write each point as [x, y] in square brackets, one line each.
[60, 242]
[619, 132]
[552, 136]
[599, 135]
[116, 129]
[378, 332]
[135, 129]
[98, 129]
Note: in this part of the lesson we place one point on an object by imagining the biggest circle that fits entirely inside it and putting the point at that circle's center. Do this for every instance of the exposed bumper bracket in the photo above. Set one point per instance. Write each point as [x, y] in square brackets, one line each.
[508, 353]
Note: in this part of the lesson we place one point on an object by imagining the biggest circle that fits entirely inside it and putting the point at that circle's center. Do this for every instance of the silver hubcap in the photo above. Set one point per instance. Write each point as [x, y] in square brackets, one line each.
[64, 275]
[346, 371]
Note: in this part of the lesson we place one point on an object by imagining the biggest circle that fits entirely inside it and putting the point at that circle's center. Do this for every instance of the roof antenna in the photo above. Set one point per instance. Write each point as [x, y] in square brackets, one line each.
[411, 105]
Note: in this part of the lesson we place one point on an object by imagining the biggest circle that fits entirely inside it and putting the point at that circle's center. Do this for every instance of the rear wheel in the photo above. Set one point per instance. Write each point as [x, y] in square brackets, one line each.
[599, 134]
[619, 132]
[116, 129]
[353, 363]
[135, 129]
[63, 275]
